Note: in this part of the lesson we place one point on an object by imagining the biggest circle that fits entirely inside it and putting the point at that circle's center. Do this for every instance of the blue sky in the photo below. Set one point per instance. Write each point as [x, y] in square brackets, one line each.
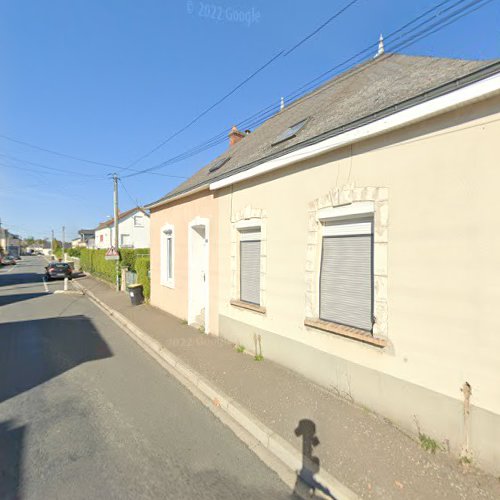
[107, 80]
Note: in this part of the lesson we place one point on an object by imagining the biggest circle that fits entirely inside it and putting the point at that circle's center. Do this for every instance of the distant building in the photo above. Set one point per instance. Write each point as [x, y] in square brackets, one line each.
[87, 238]
[133, 230]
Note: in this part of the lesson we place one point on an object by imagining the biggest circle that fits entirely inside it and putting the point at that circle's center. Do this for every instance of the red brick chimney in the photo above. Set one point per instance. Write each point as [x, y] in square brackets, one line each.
[235, 136]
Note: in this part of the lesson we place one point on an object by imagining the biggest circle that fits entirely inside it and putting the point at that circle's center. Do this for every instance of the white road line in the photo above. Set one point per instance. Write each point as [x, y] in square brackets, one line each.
[45, 285]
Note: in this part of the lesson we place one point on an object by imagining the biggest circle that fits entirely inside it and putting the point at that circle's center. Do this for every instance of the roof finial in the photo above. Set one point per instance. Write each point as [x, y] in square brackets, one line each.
[380, 50]
[282, 106]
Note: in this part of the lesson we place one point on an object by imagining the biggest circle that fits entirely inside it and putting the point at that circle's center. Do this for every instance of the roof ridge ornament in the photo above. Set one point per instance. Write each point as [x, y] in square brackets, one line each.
[381, 49]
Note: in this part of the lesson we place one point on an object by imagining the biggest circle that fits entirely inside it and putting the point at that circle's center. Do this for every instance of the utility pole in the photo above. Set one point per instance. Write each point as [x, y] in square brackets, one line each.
[52, 244]
[63, 242]
[115, 184]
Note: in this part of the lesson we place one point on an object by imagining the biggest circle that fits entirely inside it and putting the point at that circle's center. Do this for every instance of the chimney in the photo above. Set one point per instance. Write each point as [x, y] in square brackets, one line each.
[235, 136]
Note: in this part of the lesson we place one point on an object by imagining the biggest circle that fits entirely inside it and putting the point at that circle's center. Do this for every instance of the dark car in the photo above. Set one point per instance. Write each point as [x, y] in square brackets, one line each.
[58, 270]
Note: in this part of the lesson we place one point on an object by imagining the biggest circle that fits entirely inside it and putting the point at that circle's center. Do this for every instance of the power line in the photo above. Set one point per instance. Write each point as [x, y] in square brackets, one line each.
[72, 172]
[57, 153]
[270, 110]
[317, 30]
[203, 113]
[135, 201]
[246, 80]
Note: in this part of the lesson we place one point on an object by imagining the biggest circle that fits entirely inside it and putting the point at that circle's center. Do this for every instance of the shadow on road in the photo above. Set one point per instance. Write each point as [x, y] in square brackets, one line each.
[11, 299]
[11, 448]
[33, 352]
[15, 278]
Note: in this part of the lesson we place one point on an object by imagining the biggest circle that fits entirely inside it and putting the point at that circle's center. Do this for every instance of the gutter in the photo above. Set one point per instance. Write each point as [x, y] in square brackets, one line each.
[456, 98]
[176, 197]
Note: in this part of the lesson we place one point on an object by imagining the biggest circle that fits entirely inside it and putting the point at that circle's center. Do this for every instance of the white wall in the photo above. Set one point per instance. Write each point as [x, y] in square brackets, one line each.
[139, 236]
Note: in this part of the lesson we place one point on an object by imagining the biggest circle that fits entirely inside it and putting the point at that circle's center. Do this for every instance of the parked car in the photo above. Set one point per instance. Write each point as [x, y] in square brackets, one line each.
[8, 260]
[58, 270]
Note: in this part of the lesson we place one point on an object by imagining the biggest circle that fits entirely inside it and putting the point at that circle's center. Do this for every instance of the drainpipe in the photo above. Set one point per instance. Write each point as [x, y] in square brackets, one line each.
[467, 392]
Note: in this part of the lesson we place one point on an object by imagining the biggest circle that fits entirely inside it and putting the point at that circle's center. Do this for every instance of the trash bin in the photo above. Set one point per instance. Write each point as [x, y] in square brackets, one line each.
[136, 294]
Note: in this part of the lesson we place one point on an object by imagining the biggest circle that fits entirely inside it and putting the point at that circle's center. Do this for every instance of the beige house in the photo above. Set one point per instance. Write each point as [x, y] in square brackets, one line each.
[355, 236]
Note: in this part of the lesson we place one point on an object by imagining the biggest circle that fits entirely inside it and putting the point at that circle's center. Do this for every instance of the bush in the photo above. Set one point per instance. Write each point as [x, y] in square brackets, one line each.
[142, 270]
[74, 252]
[93, 262]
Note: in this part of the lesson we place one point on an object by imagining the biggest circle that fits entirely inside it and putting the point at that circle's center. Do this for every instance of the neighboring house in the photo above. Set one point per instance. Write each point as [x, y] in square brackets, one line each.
[10, 243]
[133, 230]
[354, 235]
[86, 238]
[75, 243]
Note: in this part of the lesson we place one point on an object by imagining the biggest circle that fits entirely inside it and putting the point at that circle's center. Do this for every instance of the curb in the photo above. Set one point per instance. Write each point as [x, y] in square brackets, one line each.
[223, 406]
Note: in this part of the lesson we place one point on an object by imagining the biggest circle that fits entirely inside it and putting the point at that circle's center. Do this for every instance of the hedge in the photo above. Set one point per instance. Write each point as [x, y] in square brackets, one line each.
[74, 252]
[93, 262]
[142, 269]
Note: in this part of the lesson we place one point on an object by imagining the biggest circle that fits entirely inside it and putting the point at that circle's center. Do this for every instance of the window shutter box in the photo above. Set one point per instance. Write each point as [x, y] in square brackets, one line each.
[346, 281]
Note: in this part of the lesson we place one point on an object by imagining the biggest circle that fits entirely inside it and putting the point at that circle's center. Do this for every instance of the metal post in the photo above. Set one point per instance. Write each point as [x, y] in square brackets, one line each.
[63, 243]
[52, 244]
[115, 183]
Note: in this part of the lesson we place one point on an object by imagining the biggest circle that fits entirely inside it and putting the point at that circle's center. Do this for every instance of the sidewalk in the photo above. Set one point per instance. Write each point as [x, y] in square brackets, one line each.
[361, 450]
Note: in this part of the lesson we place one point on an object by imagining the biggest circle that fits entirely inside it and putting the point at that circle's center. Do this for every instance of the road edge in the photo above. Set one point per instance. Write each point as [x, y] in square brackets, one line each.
[272, 449]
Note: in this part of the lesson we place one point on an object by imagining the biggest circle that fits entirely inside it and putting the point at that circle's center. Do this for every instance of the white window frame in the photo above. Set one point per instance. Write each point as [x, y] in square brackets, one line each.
[167, 232]
[122, 244]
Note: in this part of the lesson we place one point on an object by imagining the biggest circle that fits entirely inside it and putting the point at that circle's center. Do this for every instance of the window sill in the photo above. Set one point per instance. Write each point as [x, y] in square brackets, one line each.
[168, 284]
[247, 305]
[345, 331]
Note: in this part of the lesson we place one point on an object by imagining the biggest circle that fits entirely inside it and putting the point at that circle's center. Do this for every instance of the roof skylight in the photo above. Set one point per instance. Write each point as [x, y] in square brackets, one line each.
[218, 164]
[290, 132]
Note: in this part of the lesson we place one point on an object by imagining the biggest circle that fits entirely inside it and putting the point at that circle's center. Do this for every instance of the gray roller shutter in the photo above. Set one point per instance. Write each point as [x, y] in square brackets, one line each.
[250, 271]
[346, 282]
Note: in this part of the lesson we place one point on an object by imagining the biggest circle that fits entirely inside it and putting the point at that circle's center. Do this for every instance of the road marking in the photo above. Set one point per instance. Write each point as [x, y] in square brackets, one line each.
[45, 285]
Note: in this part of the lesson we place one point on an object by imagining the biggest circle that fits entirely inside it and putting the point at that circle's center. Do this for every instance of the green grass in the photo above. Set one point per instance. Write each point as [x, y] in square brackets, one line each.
[258, 357]
[184, 322]
[428, 444]
[201, 329]
[240, 348]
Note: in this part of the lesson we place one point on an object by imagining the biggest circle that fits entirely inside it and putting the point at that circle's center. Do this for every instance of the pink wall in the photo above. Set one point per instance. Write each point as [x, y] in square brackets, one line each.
[179, 214]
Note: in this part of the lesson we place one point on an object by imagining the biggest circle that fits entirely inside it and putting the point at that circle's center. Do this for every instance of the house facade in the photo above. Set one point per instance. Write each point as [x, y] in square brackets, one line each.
[184, 258]
[86, 238]
[133, 230]
[355, 240]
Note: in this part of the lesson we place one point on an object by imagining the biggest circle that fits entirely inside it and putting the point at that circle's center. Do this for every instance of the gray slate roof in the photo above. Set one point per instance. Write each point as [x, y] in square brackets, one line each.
[357, 94]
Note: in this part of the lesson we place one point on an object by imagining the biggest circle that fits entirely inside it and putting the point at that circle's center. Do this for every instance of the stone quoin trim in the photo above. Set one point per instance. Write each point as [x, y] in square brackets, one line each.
[248, 217]
[343, 197]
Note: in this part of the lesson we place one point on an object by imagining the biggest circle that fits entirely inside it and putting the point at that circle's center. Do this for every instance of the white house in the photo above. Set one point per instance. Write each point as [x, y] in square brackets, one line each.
[133, 230]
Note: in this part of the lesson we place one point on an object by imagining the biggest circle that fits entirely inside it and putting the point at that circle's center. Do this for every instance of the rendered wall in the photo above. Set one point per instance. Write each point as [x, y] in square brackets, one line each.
[442, 290]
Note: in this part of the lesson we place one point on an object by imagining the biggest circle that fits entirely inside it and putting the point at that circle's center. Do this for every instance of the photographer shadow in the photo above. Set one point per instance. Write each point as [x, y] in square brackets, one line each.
[306, 485]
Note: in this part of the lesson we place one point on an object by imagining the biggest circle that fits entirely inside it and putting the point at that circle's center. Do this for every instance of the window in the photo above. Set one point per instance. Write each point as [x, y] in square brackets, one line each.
[138, 221]
[250, 265]
[346, 276]
[125, 240]
[167, 256]
[289, 132]
[101, 238]
[218, 164]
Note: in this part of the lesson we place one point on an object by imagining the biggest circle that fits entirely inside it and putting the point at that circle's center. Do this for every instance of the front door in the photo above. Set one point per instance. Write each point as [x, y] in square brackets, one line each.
[198, 276]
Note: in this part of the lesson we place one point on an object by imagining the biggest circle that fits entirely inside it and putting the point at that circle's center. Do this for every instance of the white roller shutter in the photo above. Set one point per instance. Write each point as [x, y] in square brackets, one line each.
[250, 266]
[346, 282]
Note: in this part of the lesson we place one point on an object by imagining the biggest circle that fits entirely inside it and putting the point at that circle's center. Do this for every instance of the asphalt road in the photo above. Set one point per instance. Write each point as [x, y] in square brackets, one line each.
[85, 413]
